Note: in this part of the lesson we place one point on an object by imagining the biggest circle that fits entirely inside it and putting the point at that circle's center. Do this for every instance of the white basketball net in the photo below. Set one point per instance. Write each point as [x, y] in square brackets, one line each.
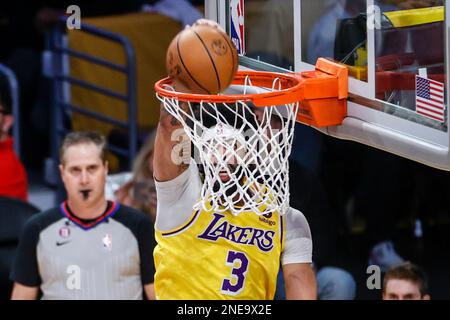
[244, 153]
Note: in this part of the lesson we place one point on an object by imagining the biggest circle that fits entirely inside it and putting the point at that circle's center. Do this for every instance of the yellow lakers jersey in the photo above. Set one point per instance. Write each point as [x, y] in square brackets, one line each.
[219, 256]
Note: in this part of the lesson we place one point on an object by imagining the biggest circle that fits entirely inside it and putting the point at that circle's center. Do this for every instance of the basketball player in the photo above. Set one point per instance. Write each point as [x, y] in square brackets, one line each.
[202, 254]
[88, 247]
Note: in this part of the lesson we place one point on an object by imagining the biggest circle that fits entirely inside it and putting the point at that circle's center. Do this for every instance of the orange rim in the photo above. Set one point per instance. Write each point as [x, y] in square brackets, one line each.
[289, 92]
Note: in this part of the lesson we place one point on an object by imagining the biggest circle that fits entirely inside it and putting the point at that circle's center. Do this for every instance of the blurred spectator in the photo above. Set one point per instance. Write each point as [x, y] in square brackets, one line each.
[86, 237]
[332, 284]
[137, 189]
[13, 178]
[335, 284]
[405, 282]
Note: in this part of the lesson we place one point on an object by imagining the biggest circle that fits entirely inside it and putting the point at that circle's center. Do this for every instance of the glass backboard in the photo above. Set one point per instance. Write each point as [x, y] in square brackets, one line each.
[396, 53]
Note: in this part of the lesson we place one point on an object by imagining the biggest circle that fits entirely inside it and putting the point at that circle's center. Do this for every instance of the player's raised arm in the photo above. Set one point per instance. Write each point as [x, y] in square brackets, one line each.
[167, 164]
[203, 44]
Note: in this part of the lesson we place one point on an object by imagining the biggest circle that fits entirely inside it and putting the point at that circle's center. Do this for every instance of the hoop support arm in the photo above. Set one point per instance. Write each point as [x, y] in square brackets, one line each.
[323, 94]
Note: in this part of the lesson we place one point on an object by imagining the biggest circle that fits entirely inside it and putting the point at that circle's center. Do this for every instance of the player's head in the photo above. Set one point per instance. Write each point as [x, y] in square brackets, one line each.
[226, 128]
[405, 282]
[224, 149]
[83, 166]
[6, 118]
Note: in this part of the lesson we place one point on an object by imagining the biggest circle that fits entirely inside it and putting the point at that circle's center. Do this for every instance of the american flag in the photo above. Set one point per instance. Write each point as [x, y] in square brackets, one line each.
[430, 101]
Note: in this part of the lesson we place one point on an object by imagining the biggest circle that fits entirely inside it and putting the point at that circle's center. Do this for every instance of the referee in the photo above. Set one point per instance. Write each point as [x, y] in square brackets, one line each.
[88, 247]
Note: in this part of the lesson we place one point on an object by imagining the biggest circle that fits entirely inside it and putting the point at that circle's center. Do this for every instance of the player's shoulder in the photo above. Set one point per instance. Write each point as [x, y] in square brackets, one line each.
[297, 226]
[295, 217]
[292, 212]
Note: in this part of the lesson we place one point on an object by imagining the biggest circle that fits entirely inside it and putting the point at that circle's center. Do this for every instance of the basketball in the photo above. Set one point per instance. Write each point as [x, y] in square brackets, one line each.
[203, 58]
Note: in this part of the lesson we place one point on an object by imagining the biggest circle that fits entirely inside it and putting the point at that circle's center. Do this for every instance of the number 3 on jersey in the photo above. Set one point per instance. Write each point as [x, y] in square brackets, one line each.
[237, 273]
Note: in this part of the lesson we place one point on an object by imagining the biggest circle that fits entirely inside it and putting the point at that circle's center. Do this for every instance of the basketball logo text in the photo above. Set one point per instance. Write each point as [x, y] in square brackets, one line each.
[220, 228]
[219, 47]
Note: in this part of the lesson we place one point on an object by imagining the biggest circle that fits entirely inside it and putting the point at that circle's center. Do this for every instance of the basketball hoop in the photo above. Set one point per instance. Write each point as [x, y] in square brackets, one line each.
[243, 140]
[244, 150]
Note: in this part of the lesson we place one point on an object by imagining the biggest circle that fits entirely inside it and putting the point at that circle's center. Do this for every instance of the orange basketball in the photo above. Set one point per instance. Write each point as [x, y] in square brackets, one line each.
[203, 58]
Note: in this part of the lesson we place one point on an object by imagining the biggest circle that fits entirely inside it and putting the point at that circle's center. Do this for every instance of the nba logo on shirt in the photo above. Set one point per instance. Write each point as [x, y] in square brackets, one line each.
[237, 31]
[107, 241]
